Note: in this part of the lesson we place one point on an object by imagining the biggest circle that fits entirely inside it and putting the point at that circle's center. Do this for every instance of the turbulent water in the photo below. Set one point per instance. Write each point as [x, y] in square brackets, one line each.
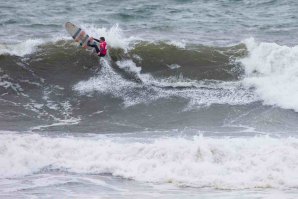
[194, 99]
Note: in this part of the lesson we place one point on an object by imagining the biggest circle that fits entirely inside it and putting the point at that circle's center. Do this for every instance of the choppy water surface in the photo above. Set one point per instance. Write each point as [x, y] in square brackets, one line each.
[196, 98]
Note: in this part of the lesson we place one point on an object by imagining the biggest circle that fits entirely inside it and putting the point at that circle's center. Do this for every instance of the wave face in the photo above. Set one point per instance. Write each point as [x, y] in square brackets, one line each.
[48, 81]
[53, 84]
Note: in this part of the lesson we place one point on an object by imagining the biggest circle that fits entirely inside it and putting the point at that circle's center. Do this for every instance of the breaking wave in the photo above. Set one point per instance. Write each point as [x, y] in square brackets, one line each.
[219, 163]
[46, 81]
[273, 71]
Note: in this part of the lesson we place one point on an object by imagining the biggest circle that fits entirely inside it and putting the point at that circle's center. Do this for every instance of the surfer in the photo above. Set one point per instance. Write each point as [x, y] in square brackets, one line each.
[102, 50]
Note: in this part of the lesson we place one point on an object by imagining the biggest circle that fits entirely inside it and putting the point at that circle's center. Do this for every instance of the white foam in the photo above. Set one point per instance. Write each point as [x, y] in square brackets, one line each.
[60, 122]
[107, 81]
[21, 49]
[178, 44]
[226, 163]
[174, 66]
[273, 71]
[114, 35]
[7, 83]
[129, 66]
[150, 89]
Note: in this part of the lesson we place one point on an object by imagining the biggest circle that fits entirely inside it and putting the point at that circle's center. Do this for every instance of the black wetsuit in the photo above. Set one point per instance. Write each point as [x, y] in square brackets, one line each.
[94, 46]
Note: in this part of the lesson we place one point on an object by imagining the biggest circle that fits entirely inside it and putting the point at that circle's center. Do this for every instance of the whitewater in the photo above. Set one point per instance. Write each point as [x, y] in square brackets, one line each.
[194, 100]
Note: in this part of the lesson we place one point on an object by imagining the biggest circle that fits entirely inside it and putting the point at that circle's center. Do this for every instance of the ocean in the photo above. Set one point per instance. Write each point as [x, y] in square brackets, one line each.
[195, 99]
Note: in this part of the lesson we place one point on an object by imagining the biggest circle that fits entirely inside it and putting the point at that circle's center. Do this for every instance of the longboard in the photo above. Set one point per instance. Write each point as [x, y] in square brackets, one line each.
[79, 35]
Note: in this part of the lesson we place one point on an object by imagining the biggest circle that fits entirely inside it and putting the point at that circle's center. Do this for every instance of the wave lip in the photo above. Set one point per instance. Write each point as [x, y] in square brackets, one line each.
[21, 49]
[113, 35]
[273, 71]
[226, 163]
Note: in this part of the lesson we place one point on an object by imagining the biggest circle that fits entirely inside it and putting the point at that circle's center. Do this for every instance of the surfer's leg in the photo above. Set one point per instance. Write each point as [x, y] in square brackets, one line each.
[96, 48]
[93, 45]
[88, 43]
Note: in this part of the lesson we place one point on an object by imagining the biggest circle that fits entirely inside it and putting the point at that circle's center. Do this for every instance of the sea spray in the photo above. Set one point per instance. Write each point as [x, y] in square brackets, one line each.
[220, 163]
[21, 49]
[273, 71]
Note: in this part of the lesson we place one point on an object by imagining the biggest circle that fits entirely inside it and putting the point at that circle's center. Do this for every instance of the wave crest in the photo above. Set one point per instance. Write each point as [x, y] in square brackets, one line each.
[273, 71]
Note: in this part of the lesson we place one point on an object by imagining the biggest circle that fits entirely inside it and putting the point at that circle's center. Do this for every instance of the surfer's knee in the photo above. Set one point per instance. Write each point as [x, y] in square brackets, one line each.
[99, 54]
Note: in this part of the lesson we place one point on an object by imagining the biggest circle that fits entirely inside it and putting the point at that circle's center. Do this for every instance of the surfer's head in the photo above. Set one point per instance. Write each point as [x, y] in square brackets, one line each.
[102, 39]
